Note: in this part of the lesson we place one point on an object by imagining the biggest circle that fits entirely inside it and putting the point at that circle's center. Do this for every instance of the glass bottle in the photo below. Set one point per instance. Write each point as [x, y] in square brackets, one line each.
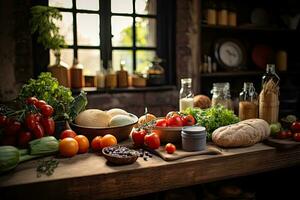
[100, 74]
[60, 70]
[156, 73]
[221, 95]
[122, 75]
[186, 96]
[111, 77]
[248, 105]
[269, 95]
[76, 74]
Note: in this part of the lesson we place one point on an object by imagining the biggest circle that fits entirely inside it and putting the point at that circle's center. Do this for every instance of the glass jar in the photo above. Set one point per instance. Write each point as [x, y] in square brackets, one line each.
[60, 70]
[221, 95]
[100, 74]
[156, 73]
[186, 96]
[269, 95]
[248, 105]
[76, 74]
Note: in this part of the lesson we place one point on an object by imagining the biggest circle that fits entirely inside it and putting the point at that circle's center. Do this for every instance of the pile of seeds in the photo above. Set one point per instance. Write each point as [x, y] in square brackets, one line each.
[120, 151]
[144, 154]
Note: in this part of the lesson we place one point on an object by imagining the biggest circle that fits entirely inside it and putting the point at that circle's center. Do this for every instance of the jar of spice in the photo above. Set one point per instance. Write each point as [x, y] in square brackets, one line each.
[248, 105]
[76, 73]
[223, 15]
[211, 13]
[221, 95]
[232, 16]
[269, 95]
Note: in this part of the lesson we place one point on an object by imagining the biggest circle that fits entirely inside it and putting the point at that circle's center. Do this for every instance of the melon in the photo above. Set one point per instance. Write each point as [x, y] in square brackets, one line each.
[93, 118]
[121, 120]
[116, 111]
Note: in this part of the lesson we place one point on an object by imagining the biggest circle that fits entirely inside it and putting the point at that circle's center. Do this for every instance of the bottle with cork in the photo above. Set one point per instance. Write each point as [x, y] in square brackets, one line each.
[248, 105]
[76, 73]
[122, 76]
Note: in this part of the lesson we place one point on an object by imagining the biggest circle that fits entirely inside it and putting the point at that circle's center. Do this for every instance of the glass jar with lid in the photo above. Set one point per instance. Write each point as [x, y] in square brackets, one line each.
[248, 105]
[156, 73]
[186, 96]
[221, 95]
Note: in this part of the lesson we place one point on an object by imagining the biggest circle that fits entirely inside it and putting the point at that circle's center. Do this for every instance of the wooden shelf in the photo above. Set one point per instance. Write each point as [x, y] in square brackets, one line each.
[232, 74]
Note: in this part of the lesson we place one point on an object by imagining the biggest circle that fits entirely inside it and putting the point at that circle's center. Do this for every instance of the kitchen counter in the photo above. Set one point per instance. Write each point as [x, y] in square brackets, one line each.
[88, 176]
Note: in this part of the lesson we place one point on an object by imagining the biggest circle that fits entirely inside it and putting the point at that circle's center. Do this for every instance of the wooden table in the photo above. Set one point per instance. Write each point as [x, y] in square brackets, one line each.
[88, 176]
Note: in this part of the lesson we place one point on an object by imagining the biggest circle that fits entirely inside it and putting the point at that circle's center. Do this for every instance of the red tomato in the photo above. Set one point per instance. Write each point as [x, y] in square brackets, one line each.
[46, 110]
[138, 137]
[24, 138]
[175, 120]
[31, 100]
[49, 125]
[188, 120]
[96, 143]
[297, 137]
[3, 120]
[152, 140]
[38, 131]
[296, 127]
[67, 133]
[40, 103]
[172, 114]
[170, 148]
[284, 134]
[12, 127]
[161, 123]
[30, 121]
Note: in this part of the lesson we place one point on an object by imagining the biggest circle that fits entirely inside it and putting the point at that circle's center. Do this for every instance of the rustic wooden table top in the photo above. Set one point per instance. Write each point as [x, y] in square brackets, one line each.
[88, 176]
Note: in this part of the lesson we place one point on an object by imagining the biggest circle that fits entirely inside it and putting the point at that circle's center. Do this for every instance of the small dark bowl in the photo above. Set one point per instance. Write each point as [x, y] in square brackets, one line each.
[119, 160]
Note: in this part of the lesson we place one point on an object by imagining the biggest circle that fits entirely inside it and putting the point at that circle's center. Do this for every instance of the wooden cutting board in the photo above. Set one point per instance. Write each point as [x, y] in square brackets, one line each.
[281, 143]
[179, 153]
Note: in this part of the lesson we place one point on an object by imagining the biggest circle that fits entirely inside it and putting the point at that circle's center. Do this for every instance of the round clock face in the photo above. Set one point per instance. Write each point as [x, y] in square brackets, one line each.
[231, 54]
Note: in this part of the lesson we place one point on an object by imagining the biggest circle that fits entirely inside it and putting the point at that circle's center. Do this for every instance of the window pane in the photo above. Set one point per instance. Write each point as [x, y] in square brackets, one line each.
[145, 32]
[90, 60]
[87, 5]
[66, 56]
[145, 7]
[121, 31]
[143, 60]
[121, 6]
[126, 55]
[60, 3]
[66, 27]
[88, 29]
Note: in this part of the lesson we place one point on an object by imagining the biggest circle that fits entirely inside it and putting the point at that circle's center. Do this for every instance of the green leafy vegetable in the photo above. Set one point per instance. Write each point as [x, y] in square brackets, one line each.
[213, 118]
[78, 105]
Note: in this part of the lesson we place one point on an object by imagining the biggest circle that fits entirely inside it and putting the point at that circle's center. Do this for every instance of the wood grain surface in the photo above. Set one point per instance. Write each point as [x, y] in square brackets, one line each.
[88, 176]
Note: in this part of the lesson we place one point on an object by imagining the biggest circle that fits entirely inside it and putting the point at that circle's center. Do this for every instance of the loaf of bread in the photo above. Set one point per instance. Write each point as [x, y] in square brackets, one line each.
[242, 134]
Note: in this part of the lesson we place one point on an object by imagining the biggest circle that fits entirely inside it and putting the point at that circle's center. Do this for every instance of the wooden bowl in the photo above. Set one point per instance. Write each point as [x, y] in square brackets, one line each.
[169, 134]
[120, 132]
[120, 160]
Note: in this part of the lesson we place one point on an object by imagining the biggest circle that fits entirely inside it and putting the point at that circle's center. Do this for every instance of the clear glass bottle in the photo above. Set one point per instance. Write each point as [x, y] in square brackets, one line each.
[221, 95]
[186, 96]
[100, 74]
[269, 95]
[248, 105]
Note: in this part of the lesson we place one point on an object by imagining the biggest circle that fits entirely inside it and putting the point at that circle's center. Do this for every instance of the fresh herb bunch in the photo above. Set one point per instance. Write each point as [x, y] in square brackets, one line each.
[46, 167]
[43, 23]
[48, 89]
[213, 118]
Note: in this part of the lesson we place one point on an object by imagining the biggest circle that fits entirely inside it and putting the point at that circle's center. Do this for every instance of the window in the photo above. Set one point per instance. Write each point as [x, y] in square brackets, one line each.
[116, 30]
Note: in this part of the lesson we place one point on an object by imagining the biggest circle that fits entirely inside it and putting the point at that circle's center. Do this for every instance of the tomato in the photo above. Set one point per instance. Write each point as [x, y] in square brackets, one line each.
[40, 103]
[96, 143]
[188, 120]
[3, 120]
[83, 143]
[31, 100]
[67, 133]
[296, 127]
[23, 138]
[161, 123]
[12, 127]
[38, 131]
[138, 136]
[68, 147]
[175, 120]
[284, 134]
[297, 137]
[46, 110]
[30, 121]
[152, 140]
[172, 114]
[108, 140]
[49, 125]
[170, 148]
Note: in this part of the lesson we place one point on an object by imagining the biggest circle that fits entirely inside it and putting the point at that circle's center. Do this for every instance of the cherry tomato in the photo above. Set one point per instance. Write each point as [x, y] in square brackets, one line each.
[188, 120]
[68, 147]
[83, 143]
[138, 137]
[12, 127]
[296, 127]
[175, 121]
[171, 114]
[38, 131]
[3, 120]
[23, 138]
[31, 100]
[30, 121]
[40, 103]
[152, 140]
[46, 110]
[297, 137]
[38, 117]
[170, 148]
[108, 140]
[284, 134]
[96, 143]
[161, 123]
[49, 125]
[67, 133]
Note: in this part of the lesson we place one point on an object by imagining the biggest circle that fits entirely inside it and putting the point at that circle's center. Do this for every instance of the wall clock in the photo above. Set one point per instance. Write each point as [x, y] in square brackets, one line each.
[230, 54]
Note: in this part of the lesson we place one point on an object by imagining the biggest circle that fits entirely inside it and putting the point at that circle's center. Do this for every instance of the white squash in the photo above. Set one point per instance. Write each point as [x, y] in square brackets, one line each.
[116, 111]
[93, 118]
[121, 120]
